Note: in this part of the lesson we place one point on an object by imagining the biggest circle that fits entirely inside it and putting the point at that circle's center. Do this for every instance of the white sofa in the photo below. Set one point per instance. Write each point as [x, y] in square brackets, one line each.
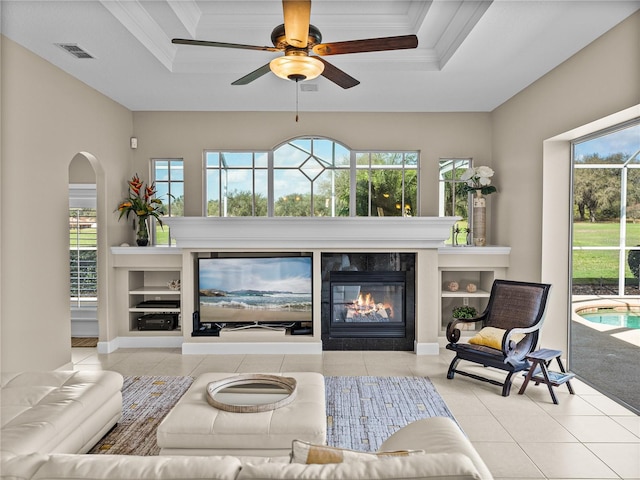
[49, 419]
[448, 455]
[57, 412]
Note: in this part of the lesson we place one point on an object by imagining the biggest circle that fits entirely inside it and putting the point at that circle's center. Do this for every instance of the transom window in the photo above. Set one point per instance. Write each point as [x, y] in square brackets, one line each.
[311, 176]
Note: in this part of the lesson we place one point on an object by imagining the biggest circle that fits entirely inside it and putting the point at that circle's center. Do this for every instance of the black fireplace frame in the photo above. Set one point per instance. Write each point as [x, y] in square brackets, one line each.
[372, 263]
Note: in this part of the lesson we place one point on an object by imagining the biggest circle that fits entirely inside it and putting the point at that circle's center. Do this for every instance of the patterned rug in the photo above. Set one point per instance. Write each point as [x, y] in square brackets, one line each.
[361, 411]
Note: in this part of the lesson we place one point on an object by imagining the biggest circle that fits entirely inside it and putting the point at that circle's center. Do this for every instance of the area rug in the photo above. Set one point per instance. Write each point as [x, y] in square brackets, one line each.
[146, 400]
[361, 411]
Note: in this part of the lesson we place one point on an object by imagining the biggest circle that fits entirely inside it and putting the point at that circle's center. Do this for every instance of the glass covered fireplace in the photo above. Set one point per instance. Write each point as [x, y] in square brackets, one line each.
[368, 301]
[369, 304]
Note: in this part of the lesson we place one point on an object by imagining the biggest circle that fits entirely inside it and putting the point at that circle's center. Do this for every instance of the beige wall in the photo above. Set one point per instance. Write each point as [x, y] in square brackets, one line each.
[47, 118]
[187, 135]
[598, 81]
[53, 117]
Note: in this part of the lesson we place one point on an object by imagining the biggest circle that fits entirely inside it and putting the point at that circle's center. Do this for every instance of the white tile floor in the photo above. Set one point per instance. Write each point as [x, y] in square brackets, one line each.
[521, 436]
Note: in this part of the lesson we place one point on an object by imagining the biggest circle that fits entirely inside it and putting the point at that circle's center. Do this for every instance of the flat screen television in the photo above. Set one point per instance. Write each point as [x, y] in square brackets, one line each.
[273, 289]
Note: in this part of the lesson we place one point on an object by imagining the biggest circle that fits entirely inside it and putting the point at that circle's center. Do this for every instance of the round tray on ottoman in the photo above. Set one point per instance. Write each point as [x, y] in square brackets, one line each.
[251, 393]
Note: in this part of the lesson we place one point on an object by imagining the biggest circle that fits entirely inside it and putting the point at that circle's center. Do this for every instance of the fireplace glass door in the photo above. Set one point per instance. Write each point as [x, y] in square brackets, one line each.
[367, 304]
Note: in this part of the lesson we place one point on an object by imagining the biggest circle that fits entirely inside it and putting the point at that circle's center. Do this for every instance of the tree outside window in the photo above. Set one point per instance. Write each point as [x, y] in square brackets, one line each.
[311, 176]
[606, 212]
[168, 175]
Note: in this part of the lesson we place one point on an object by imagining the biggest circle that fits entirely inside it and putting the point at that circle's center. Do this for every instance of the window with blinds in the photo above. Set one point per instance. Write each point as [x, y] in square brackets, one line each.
[83, 247]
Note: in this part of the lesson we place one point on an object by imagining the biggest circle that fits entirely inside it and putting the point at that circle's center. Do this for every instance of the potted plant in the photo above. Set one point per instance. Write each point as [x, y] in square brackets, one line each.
[464, 311]
[142, 203]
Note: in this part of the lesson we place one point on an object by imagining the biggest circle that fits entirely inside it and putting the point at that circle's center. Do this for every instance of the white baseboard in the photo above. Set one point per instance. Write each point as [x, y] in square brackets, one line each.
[427, 348]
[139, 342]
[264, 348]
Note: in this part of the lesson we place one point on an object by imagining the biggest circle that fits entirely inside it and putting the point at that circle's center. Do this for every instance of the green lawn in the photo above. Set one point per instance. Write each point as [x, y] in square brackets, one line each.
[596, 264]
[86, 236]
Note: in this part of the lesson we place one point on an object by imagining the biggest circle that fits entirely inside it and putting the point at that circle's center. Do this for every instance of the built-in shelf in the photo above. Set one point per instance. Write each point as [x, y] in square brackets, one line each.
[465, 265]
[154, 290]
[476, 294]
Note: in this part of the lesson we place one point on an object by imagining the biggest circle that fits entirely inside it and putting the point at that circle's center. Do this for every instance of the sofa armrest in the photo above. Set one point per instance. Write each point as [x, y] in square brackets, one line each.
[436, 435]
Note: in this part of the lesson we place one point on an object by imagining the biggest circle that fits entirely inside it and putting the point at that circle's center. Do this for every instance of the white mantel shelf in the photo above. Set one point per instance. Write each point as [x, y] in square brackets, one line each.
[472, 250]
[310, 232]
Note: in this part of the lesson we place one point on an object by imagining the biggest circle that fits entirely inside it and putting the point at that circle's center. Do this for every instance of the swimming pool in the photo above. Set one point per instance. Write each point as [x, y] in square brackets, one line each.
[610, 316]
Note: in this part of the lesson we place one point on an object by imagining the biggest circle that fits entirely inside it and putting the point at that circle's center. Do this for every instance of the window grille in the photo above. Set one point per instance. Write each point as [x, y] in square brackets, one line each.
[311, 176]
[168, 175]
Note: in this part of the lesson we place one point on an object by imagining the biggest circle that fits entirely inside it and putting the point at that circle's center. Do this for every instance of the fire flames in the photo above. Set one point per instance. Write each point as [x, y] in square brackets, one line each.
[366, 305]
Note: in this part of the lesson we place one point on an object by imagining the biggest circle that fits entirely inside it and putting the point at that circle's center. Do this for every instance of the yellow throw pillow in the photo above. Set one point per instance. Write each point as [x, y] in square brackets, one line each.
[492, 337]
[308, 453]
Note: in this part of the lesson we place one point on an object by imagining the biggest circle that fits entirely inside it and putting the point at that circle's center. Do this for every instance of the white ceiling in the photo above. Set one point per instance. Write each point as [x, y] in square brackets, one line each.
[472, 55]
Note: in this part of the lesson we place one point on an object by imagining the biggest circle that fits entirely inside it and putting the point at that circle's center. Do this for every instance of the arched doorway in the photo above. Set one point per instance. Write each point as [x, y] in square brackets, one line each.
[85, 273]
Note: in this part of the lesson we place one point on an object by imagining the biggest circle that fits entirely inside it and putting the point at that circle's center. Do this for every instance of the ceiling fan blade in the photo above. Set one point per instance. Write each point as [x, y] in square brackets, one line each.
[206, 43]
[337, 76]
[297, 16]
[250, 77]
[368, 45]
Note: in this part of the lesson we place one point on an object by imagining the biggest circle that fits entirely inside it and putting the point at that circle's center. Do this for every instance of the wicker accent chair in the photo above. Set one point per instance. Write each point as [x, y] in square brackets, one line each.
[518, 308]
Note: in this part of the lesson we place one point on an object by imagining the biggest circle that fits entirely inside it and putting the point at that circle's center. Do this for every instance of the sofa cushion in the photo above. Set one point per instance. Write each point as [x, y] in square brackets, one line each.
[59, 411]
[449, 466]
[305, 452]
[436, 435]
[111, 467]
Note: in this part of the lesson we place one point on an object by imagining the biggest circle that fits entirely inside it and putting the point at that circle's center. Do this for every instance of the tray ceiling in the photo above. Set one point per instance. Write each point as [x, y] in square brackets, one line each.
[472, 55]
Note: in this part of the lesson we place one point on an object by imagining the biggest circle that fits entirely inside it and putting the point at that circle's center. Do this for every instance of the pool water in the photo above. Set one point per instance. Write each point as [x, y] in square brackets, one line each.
[611, 317]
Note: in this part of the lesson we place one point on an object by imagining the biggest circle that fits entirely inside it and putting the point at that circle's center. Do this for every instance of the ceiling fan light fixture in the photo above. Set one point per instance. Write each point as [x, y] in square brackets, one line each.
[297, 67]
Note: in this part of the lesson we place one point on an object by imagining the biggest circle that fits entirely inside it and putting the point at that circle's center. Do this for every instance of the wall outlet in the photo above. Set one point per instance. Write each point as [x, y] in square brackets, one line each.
[158, 298]
[465, 301]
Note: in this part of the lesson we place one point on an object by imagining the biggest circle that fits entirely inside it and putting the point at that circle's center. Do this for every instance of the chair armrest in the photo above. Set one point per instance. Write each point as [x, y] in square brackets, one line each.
[510, 346]
[453, 333]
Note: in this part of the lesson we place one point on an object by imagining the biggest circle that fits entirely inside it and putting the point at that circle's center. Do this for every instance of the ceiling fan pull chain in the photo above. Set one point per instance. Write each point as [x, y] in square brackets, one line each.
[297, 101]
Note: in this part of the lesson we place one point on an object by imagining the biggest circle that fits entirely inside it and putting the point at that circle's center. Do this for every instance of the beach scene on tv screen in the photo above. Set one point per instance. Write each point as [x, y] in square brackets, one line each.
[255, 289]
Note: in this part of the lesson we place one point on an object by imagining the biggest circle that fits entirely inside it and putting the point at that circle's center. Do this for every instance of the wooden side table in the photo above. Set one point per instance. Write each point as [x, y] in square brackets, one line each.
[539, 372]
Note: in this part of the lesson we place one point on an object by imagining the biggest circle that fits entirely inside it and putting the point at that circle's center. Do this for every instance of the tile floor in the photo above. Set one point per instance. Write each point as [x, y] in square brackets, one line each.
[586, 436]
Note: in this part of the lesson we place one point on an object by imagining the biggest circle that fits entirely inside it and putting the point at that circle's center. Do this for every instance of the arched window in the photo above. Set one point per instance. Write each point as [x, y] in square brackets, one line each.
[311, 176]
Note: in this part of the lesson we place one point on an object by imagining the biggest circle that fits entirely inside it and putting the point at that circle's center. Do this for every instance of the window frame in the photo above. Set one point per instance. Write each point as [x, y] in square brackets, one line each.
[272, 169]
[82, 197]
[168, 202]
[442, 183]
[621, 248]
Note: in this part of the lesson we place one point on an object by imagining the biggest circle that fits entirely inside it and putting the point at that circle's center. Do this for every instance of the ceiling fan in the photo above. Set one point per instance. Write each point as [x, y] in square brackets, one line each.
[297, 38]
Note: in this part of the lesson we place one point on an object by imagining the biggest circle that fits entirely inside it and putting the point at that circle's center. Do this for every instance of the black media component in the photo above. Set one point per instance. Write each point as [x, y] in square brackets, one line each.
[159, 304]
[158, 321]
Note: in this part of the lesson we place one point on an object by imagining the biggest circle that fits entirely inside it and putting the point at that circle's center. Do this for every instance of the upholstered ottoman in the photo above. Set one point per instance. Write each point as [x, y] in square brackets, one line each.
[193, 427]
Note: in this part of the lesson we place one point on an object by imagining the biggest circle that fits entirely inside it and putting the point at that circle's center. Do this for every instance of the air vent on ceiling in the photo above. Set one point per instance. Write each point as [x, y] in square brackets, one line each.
[75, 50]
[308, 87]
